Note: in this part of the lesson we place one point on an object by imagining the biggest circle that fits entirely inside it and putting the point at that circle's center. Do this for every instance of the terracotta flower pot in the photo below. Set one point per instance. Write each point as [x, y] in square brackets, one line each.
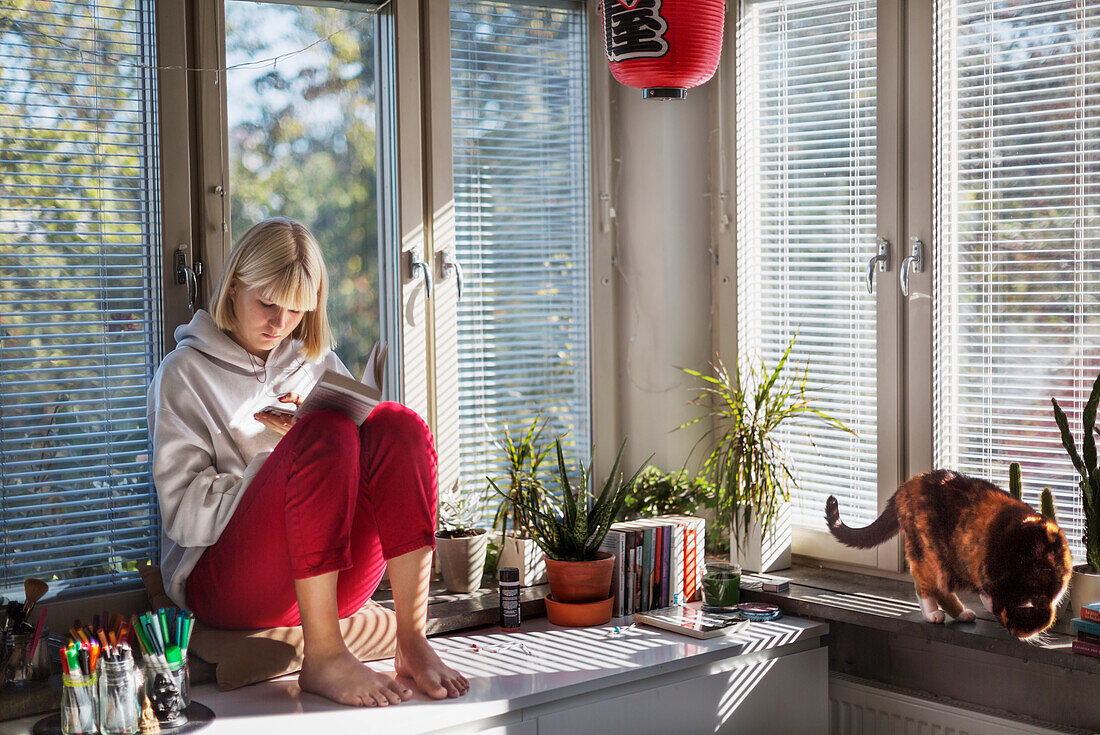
[581, 581]
[578, 614]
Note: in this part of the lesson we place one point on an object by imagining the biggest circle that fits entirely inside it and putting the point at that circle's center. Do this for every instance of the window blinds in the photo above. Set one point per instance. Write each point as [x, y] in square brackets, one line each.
[1017, 259]
[520, 140]
[79, 238]
[806, 131]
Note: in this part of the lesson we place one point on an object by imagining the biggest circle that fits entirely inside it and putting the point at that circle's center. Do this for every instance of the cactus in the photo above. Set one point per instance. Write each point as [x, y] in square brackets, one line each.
[1046, 505]
[1086, 465]
[1015, 485]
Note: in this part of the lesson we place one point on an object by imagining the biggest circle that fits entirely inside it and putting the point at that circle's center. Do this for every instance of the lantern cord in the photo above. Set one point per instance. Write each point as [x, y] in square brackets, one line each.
[23, 27]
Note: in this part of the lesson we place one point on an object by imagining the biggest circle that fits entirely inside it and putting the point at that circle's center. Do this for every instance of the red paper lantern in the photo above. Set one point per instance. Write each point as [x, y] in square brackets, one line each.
[663, 47]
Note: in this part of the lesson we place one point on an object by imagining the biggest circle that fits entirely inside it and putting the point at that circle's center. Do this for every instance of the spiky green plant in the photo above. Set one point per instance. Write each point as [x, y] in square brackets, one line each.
[572, 527]
[1046, 504]
[747, 465]
[524, 457]
[1086, 466]
[1015, 484]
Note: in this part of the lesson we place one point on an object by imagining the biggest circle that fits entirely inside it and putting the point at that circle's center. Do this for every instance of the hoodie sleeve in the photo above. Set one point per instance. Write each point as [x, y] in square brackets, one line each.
[196, 501]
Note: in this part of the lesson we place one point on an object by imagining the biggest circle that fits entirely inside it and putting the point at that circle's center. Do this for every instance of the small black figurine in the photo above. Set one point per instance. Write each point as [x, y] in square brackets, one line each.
[167, 702]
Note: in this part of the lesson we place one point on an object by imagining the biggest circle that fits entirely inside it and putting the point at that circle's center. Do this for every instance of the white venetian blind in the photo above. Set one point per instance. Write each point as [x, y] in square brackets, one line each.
[806, 134]
[520, 139]
[79, 324]
[1017, 259]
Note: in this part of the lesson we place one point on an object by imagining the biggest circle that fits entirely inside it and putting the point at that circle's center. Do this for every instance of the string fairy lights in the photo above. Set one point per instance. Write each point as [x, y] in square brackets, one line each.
[23, 26]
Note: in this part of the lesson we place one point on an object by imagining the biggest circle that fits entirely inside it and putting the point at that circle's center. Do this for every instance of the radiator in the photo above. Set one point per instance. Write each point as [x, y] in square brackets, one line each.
[858, 707]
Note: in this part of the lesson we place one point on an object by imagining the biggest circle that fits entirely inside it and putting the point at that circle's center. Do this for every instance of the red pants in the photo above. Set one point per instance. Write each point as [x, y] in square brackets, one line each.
[331, 497]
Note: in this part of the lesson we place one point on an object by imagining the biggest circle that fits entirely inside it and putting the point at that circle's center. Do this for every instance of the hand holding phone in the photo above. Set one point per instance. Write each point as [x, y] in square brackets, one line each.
[279, 420]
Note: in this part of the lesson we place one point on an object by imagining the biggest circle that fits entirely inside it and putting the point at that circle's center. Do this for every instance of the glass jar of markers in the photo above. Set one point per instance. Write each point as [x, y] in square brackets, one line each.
[78, 704]
[168, 685]
[119, 695]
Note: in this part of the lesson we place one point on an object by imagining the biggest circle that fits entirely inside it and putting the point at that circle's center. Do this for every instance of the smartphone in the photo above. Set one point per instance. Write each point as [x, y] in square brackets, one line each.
[278, 411]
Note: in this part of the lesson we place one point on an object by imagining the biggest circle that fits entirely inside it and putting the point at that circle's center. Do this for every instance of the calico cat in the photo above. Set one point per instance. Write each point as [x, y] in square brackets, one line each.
[962, 533]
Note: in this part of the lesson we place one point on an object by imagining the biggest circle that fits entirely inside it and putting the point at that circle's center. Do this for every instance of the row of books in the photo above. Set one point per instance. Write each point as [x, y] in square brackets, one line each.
[1088, 631]
[658, 562]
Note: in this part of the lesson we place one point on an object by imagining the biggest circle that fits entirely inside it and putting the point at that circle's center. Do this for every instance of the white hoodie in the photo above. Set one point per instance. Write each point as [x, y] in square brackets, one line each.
[207, 446]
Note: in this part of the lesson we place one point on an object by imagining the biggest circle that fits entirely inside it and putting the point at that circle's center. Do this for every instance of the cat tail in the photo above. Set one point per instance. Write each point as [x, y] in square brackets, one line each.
[885, 526]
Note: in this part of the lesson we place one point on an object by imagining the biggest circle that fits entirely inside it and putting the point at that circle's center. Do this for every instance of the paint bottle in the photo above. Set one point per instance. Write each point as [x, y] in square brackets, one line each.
[509, 598]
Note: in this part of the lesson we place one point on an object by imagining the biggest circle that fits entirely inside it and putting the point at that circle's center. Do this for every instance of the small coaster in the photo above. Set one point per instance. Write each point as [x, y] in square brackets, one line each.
[759, 611]
[730, 612]
[198, 716]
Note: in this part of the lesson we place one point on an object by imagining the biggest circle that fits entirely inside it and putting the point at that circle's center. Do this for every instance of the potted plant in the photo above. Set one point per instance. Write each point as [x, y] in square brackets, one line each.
[524, 457]
[1084, 587]
[569, 531]
[747, 465]
[460, 546]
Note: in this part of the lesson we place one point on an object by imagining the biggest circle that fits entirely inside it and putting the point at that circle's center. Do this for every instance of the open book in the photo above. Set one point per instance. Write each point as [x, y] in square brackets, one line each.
[356, 398]
[690, 620]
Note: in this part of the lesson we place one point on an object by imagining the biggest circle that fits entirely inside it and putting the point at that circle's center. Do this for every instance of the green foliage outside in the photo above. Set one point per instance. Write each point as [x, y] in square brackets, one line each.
[77, 334]
[302, 144]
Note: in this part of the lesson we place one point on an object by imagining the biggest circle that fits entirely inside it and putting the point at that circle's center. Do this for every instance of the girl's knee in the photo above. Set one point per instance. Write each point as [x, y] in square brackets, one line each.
[331, 426]
[399, 423]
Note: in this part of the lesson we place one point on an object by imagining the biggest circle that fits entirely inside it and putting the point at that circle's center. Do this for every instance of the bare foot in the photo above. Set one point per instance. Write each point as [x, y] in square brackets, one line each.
[417, 660]
[345, 680]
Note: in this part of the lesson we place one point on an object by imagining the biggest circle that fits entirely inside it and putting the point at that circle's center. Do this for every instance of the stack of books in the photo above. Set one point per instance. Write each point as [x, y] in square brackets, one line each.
[1088, 631]
[658, 562]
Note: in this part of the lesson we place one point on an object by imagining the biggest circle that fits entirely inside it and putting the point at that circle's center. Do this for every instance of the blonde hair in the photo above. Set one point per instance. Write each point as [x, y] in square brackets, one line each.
[280, 256]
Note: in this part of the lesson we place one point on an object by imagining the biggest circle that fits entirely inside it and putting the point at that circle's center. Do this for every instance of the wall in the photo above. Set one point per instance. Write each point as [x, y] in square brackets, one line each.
[660, 191]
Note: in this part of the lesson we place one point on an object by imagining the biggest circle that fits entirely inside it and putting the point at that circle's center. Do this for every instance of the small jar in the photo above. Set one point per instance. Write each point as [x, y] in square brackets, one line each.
[35, 668]
[721, 586]
[78, 705]
[119, 697]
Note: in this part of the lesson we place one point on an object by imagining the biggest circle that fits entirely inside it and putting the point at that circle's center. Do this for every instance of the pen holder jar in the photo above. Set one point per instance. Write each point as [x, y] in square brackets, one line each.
[119, 697]
[28, 669]
[78, 705]
[168, 686]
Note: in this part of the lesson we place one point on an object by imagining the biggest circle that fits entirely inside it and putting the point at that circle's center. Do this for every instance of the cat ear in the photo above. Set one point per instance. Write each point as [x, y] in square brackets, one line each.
[1033, 519]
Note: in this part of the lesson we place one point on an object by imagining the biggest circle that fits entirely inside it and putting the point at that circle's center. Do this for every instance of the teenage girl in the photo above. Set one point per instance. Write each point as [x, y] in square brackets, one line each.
[271, 521]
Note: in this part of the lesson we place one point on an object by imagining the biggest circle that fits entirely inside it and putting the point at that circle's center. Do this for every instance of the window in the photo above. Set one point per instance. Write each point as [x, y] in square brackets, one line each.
[806, 228]
[79, 311]
[519, 96]
[302, 144]
[1017, 264]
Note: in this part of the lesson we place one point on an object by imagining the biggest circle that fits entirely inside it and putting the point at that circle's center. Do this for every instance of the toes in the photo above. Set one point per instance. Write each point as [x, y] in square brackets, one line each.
[397, 690]
[934, 617]
[966, 616]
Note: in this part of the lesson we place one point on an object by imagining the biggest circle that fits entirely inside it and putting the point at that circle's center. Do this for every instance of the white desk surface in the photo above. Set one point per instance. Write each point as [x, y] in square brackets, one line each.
[557, 663]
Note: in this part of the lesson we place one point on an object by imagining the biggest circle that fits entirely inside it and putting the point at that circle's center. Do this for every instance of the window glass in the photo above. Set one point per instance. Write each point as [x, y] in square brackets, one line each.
[521, 181]
[1017, 255]
[302, 144]
[79, 309]
[806, 219]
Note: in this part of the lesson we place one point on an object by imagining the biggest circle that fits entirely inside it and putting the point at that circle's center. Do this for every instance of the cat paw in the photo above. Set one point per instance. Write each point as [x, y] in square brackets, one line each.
[966, 616]
[936, 616]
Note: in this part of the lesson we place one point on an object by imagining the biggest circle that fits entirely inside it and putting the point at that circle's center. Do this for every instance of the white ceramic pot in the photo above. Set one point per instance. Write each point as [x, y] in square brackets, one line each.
[526, 556]
[1084, 589]
[759, 553]
[462, 561]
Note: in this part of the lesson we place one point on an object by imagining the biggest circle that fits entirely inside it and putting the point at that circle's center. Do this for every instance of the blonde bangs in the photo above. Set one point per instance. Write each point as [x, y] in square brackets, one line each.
[294, 288]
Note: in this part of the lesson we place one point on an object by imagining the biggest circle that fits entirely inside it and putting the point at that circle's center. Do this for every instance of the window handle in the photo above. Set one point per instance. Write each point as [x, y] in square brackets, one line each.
[913, 263]
[188, 275]
[450, 263]
[883, 260]
[416, 264]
